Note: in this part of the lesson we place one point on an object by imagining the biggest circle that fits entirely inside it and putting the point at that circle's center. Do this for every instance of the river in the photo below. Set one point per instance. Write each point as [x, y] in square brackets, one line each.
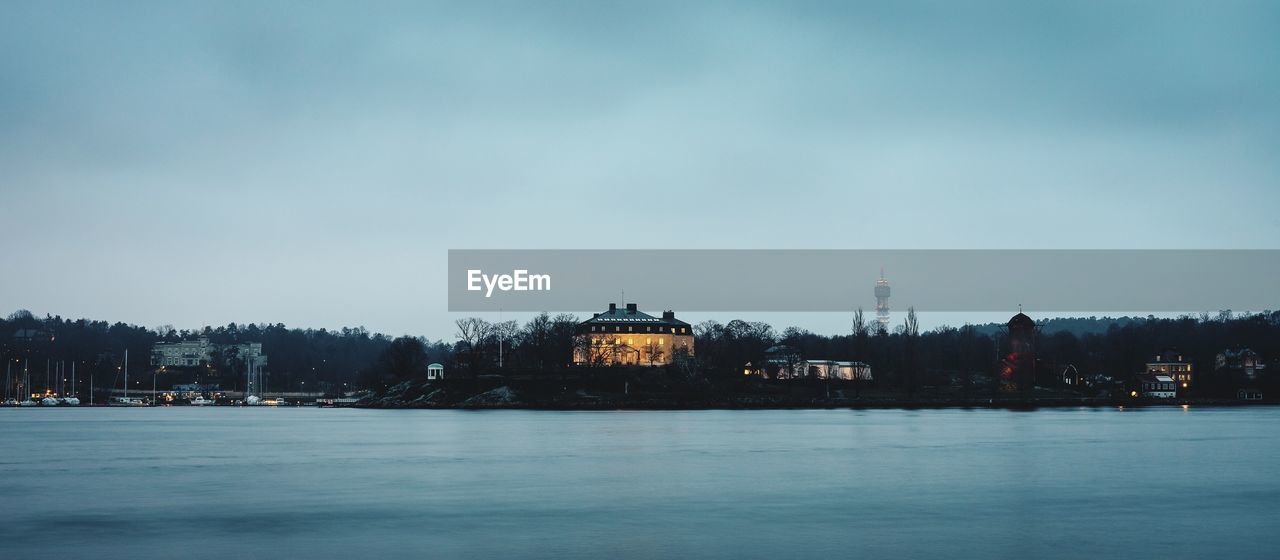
[1163, 482]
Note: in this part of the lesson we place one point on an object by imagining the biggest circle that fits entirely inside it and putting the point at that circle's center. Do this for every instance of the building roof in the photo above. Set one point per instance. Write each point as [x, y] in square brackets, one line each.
[434, 365]
[1168, 356]
[1021, 320]
[31, 334]
[629, 315]
[1152, 378]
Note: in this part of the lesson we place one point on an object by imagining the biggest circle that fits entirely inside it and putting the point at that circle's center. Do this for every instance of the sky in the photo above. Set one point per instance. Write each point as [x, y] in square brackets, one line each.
[311, 163]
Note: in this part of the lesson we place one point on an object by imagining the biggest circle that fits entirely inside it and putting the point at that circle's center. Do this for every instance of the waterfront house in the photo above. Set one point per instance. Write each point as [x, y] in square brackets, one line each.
[784, 362]
[1244, 360]
[628, 336]
[1171, 364]
[1153, 386]
[833, 369]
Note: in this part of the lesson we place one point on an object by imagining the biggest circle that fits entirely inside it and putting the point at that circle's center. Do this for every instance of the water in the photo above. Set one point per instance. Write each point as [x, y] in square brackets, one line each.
[344, 483]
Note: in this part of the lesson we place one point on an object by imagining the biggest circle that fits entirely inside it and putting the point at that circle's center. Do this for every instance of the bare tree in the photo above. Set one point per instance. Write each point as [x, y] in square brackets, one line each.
[472, 332]
[910, 330]
[861, 334]
[654, 352]
[594, 350]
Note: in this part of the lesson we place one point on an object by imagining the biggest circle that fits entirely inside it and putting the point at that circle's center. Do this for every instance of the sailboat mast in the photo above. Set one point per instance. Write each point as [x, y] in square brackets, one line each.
[126, 373]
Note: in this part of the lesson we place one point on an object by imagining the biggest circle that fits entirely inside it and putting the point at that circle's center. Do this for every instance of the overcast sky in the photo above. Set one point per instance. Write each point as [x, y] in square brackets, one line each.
[311, 163]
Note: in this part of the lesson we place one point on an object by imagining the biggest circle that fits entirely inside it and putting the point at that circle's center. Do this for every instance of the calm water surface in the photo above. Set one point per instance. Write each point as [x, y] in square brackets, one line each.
[343, 483]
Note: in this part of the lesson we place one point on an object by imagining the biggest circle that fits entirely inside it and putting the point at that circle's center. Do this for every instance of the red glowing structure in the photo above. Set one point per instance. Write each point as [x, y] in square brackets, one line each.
[1018, 368]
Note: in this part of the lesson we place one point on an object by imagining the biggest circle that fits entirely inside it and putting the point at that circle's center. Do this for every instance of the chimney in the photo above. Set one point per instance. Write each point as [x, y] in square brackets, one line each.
[668, 314]
[613, 307]
[631, 309]
[594, 315]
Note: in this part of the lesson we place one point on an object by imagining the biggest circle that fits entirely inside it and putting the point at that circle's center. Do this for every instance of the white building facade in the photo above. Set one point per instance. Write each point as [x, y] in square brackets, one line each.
[198, 352]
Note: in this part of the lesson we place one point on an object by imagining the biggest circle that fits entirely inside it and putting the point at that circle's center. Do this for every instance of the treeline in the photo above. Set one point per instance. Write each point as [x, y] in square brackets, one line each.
[901, 357]
[904, 358]
[317, 360]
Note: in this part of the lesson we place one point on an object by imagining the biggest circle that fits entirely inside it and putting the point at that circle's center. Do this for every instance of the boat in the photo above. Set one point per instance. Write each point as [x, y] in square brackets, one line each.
[70, 401]
[126, 400]
[49, 401]
[200, 401]
[28, 402]
[10, 402]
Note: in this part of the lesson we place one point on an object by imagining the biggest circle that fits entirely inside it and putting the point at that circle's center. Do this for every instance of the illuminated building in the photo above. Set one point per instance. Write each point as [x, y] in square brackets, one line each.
[1170, 363]
[1153, 386]
[830, 369]
[784, 362]
[631, 337]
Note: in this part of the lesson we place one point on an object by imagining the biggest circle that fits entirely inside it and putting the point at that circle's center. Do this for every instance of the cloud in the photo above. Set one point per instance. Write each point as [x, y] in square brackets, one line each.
[324, 144]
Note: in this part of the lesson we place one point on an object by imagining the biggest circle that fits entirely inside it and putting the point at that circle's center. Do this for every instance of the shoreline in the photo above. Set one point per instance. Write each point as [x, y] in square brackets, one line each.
[652, 405]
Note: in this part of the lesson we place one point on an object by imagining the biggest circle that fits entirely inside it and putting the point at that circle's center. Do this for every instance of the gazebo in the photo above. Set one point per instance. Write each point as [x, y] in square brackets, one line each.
[435, 371]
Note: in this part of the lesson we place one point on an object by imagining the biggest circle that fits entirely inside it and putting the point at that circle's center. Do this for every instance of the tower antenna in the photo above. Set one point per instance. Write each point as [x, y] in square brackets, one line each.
[882, 301]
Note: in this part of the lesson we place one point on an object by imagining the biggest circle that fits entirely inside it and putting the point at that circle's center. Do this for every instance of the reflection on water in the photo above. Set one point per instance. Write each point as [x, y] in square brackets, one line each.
[330, 483]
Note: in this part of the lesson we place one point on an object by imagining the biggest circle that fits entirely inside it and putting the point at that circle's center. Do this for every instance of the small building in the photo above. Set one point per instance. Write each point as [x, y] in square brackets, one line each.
[784, 362]
[435, 371]
[1245, 361]
[1070, 375]
[1250, 394]
[197, 387]
[1153, 386]
[1171, 364]
[832, 369]
[628, 336]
